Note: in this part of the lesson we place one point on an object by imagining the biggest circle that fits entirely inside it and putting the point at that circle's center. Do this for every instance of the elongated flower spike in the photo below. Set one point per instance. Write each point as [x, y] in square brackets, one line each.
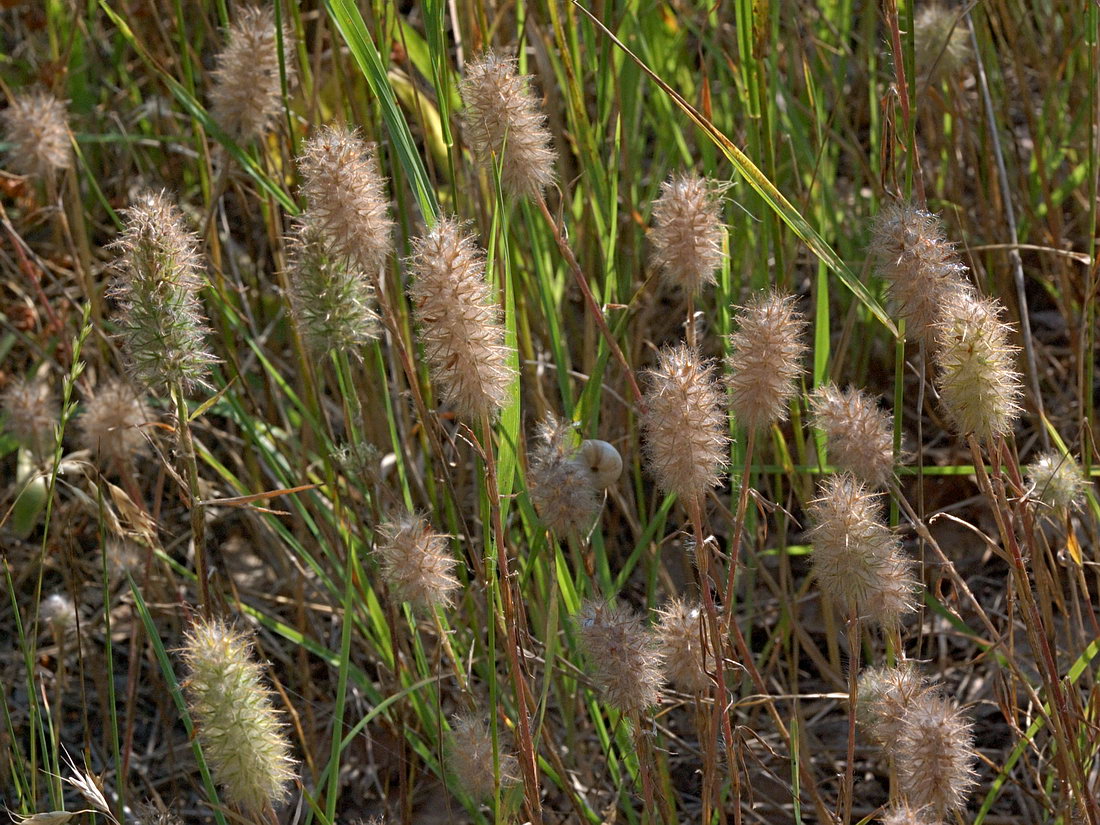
[561, 486]
[502, 119]
[240, 732]
[459, 320]
[935, 755]
[471, 757]
[858, 434]
[623, 656]
[416, 562]
[686, 236]
[765, 359]
[680, 637]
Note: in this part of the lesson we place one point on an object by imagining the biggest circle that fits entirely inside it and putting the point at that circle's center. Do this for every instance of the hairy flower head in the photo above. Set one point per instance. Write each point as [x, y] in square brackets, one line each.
[765, 359]
[922, 270]
[684, 424]
[347, 198]
[331, 297]
[561, 485]
[885, 694]
[239, 730]
[978, 385]
[935, 755]
[247, 95]
[459, 320]
[36, 126]
[942, 42]
[858, 434]
[31, 413]
[1058, 480]
[472, 759]
[503, 120]
[416, 562]
[686, 236]
[111, 424]
[158, 291]
[680, 639]
[622, 654]
[857, 559]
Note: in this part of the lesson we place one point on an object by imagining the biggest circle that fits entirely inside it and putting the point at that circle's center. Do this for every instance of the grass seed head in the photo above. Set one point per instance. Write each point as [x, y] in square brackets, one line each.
[1058, 480]
[36, 125]
[859, 435]
[680, 638]
[111, 424]
[31, 413]
[247, 95]
[884, 696]
[502, 120]
[623, 656]
[935, 755]
[332, 298]
[922, 270]
[858, 560]
[160, 316]
[902, 814]
[460, 321]
[685, 424]
[942, 42]
[346, 193]
[416, 562]
[765, 360]
[240, 732]
[686, 236]
[471, 757]
[978, 385]
[58, 612]
[561, 485]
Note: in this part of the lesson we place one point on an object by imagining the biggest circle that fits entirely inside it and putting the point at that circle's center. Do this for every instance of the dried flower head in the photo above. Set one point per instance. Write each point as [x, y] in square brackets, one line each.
[680, 638]
[36, 126]
[459, 321]
[31, 413]
[1057, 480]
[58, 612]
[347, 198]
[859, 435]
[158, 290]
[331, 297]
[239, 730]
[942, 44]
[857, 559]
[623, 656]
[685, 424]
[920, 266]
[416, 562]
[503, 120]
[247, 95]
[111, 424]
[935, 755]
[561, 485]
[902, 814]
[687, 233]
[473, 760]
[765, 359]
[884, 696]
[979, 389]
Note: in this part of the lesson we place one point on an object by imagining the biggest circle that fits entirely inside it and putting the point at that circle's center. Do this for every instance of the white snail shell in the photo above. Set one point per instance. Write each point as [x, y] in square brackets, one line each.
[602, 461]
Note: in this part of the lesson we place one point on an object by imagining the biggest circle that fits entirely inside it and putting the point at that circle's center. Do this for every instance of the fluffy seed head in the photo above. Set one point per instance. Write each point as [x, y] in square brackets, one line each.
[112, 422]
[684, 424]
[36, 126]
[622, 654]
[247, 96]
[942, 44]
[859, 435]
[471, 756]
[935, 755]
[562, 487]
[459, 321]
[1058, 480]
[857, 559]
[765, 359]
[31, 413]
[902, 814]
[239, 730]
[332, 298]
[686, 237]
[58, 612]
[884, 696]
[503, 120]
[416, 562]
[158, 291]
[979, 389]
[680, 639]
[920, 266]
[347, 199]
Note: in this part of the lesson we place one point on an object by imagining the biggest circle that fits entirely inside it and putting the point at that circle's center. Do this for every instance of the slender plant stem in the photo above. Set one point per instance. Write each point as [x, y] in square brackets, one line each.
[198, 522]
